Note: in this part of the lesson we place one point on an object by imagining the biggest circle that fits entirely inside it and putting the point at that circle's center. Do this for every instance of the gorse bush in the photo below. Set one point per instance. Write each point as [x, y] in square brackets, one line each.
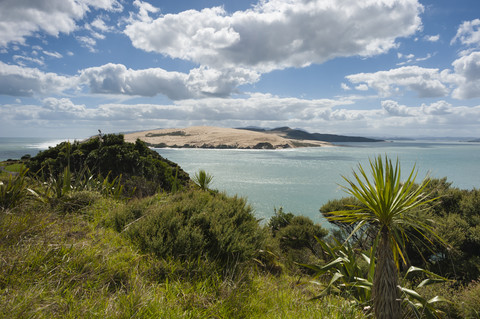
[193, 224]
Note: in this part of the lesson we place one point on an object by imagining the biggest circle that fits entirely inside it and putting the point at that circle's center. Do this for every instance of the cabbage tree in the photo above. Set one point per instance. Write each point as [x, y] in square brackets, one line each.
[386, 205]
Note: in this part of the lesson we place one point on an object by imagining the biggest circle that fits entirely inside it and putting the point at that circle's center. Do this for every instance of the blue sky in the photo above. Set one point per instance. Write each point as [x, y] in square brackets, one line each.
[370, 68]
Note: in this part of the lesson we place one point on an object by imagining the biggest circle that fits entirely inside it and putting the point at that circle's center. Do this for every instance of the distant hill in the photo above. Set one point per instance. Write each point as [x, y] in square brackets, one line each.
[297, 134]
[477, 140]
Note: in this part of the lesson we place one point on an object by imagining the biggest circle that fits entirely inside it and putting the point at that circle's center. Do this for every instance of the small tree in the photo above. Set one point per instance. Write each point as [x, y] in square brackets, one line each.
[202, 179]
[386, 204]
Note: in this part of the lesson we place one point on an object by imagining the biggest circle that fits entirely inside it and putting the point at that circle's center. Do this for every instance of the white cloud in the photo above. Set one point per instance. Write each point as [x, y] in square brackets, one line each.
[276, 34]
[323, 115]
[345, 87]
[200, 82]
[212, 82]
[20, 59]
[426, 82]
[63, 105]
[437, 108]
[87, 42]
[99, 24]
[467, 69]
[432, 38]
[20, 19]
[53, 54]
[362, 87]
[468, 33]
[117, 79]
[392, 108]
[21, 81]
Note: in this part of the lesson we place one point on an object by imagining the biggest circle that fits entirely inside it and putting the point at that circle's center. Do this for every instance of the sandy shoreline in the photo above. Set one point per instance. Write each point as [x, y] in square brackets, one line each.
[218, 137]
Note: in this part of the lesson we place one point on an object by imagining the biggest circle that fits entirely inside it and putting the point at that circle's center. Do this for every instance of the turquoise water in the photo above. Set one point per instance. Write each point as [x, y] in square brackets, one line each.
[300, 180]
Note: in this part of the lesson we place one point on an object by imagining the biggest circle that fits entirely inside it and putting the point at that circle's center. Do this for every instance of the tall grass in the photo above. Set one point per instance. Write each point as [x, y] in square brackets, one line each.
[14, 190]
[75, 266]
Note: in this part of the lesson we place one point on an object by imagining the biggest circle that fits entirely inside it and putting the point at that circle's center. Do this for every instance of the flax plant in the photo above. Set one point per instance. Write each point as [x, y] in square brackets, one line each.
[386, 205]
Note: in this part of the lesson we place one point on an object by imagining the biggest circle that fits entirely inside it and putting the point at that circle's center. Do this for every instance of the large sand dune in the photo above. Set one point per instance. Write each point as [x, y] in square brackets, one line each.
[217, 137]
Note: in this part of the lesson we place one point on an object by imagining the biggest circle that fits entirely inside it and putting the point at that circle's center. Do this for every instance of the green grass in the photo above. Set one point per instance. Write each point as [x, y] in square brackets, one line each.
[16, 167]
[57, 265]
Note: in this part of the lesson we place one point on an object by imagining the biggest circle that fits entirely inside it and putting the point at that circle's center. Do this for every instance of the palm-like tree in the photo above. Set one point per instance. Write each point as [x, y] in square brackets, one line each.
[386, 203]
[202, 179]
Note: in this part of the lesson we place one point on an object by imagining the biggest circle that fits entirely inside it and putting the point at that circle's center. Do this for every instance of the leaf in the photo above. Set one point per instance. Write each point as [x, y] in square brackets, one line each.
[431, 281]
[438, 299]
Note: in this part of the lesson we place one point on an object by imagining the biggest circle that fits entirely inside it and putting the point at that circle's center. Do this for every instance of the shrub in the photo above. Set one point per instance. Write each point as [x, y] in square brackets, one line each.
[110, 154]
[295, 236]
[193, 224]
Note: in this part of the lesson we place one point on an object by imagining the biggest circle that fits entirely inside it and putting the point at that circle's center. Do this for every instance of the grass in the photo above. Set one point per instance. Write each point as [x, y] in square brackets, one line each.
[57, 265]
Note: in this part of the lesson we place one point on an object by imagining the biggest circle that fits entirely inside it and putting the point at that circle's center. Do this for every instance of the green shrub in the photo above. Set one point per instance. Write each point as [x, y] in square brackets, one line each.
[110, 154]
[295, 237]
[195, 224]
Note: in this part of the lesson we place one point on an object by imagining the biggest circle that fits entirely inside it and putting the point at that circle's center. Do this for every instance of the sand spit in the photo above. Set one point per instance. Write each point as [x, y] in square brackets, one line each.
[218, 137]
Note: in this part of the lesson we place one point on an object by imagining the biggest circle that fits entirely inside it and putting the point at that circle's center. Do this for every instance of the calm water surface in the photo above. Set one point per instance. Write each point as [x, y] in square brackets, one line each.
[300, 180]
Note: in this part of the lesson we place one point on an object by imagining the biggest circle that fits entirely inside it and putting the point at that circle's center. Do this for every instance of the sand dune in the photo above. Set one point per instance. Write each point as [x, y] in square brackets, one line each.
[217, 137]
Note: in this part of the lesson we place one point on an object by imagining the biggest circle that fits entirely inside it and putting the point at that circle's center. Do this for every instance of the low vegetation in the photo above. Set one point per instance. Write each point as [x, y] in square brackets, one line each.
[76, 241]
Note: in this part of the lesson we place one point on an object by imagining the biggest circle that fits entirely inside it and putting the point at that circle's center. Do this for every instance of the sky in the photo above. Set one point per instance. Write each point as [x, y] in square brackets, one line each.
[377, 68]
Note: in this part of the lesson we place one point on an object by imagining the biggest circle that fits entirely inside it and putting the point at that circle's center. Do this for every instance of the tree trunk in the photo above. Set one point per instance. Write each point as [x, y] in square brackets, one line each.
[385, 293]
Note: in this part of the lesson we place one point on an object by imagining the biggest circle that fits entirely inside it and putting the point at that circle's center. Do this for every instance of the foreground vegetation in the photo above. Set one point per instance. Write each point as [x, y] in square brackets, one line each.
[77, 240]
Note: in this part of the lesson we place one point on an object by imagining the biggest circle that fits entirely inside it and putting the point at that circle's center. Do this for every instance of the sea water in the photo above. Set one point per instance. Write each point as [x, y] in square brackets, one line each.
[16, 147]
[300, 180]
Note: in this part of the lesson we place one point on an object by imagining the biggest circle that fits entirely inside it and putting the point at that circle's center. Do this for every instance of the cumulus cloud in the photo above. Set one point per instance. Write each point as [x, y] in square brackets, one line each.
[212, 82]
[393, 108]
[276, 34]
[199, 82]
[117, 79]
[468, 33]
[467, 69]
[61, 109]
[426, 82]
[437, 108]
[20, 19]
[432, 38]
[21, 81]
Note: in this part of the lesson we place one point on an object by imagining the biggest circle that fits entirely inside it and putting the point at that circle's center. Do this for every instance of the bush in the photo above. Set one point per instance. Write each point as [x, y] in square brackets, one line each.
[110, 154]
[295, 237]
[191, 225]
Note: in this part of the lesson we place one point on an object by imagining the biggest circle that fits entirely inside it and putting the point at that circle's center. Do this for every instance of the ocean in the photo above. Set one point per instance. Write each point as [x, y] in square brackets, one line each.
[301, 180]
